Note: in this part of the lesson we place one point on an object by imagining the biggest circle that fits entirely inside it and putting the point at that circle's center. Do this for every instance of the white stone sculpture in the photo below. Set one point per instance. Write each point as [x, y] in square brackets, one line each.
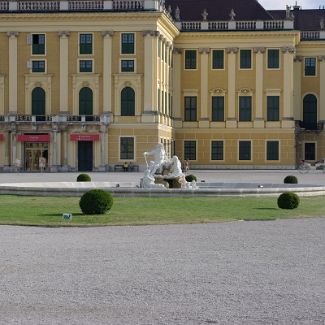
[159, 154]
[175, 168]
[148, 181]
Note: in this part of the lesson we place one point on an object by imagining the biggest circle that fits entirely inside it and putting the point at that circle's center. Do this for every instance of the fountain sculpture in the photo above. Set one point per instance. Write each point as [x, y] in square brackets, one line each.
[163, 172]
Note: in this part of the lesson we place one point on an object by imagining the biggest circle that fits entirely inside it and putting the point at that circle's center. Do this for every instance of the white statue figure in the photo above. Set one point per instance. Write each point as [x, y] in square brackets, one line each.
[175, 168]
[148, 181]
[160, 158]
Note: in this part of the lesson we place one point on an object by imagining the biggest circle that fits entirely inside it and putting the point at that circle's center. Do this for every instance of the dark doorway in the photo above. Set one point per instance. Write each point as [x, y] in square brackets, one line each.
[85, 156]
[310, 151]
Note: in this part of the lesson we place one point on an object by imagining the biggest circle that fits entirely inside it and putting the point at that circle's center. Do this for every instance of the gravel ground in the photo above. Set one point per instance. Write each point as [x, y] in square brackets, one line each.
[224, 273]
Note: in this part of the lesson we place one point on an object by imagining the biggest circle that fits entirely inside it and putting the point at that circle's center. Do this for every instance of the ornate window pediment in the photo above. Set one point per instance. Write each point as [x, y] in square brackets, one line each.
[218, 91]
[245, 91]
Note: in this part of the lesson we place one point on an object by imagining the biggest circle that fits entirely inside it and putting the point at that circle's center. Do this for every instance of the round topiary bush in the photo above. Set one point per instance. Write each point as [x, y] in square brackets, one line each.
[290, 180]
[190, 178]
[83, 178]
[288, 200]
[96, 202]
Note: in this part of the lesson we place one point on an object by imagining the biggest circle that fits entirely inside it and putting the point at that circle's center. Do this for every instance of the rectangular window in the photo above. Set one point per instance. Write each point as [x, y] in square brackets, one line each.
[217, 59]
[190, 108]
[273, 59]
[245, 59]
[127, 148]
[217, 150]
[190, 150]
[218, 108]
[273, 108]
[85, 44]
[38, 66]
[310, 151]
[85, 66]
[38, 44]
[272, 150]
[310, 66]
[245, 108]
[127, 43]
[190, 59]
[244, 150]
[127, 65]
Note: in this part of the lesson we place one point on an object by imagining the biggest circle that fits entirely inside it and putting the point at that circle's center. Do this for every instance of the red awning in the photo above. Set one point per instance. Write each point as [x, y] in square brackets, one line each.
[33, 137]
[84, 137]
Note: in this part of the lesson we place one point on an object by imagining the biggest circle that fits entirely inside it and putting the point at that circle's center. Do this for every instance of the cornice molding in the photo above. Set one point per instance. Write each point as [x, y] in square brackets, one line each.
[260, 50]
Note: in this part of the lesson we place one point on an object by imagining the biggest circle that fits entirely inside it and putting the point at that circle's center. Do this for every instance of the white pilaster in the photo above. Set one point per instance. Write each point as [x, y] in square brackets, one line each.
[321, 60]
[231, 116]
[204, 119]
[64, 71]
[287, 121]
[13, 71]
[107, 71]
[297, 101]
[259, 120]
[177, 66]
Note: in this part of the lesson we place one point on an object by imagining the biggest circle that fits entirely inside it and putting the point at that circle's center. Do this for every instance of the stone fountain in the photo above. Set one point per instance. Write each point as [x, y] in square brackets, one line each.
[163, 172]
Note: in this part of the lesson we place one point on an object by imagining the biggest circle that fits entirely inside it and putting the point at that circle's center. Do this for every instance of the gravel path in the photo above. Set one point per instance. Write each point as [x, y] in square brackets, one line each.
[225, 273]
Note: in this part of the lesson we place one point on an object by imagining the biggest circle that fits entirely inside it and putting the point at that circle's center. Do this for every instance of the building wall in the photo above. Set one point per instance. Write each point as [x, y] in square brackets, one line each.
[160, 87]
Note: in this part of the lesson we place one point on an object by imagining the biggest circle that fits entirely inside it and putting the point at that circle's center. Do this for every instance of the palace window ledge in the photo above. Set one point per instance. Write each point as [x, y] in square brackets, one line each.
[70, 119]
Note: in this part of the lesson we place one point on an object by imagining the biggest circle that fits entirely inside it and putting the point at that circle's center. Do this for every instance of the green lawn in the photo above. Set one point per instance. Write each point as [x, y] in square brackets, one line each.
[47, 211]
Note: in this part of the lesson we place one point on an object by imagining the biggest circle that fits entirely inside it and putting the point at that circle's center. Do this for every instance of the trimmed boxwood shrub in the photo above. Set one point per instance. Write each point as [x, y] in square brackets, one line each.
[96, 202]
[290, 180]
[288, 200]
[190, 178]
[83, 178]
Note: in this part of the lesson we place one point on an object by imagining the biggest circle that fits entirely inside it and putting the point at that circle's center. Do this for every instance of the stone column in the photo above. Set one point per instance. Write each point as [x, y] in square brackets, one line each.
[259, 119]
[150, 76]
[231, 116]
[56, 148]
[13, 69]
[297, 100]
[103, 148]
[64, 72]
[107, 72]
[177, 72]
[65, 166]
[288, 55]
[13, 150]
[321, 60]
[204, 118]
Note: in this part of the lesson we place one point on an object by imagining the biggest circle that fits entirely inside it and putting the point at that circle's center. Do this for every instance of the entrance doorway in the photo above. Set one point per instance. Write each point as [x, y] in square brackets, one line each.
[310, 151]
[33, 152]
[85, 156]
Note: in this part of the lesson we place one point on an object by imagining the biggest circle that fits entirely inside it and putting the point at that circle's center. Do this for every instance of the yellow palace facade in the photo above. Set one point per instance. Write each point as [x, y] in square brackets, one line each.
[89, 85]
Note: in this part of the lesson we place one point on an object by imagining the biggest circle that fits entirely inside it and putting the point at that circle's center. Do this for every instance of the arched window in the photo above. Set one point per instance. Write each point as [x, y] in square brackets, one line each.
[127, 102]
[38, 103]
[310, 112]
[86, 102]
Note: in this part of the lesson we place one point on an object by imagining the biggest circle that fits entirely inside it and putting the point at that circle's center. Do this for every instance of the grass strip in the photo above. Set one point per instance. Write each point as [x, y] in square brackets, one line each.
[47, 211]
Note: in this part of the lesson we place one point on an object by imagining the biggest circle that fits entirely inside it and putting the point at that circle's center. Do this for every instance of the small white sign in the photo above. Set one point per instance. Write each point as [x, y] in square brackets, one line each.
[67, 216]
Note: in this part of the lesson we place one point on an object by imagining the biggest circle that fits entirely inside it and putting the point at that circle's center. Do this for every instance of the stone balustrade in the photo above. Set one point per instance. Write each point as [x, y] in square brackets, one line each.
[78, 5]
[235, 25]
[312, 35]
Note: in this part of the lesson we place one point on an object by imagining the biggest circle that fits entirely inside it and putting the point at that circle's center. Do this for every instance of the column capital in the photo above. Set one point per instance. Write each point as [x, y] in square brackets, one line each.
[153, 33]
[64, 33]
[298, 58]
[259, 50]
[321, 58]
[288, 49]
[204, 50]
[107, 33]
[12, 34]
[177, 51]
[232, 50]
